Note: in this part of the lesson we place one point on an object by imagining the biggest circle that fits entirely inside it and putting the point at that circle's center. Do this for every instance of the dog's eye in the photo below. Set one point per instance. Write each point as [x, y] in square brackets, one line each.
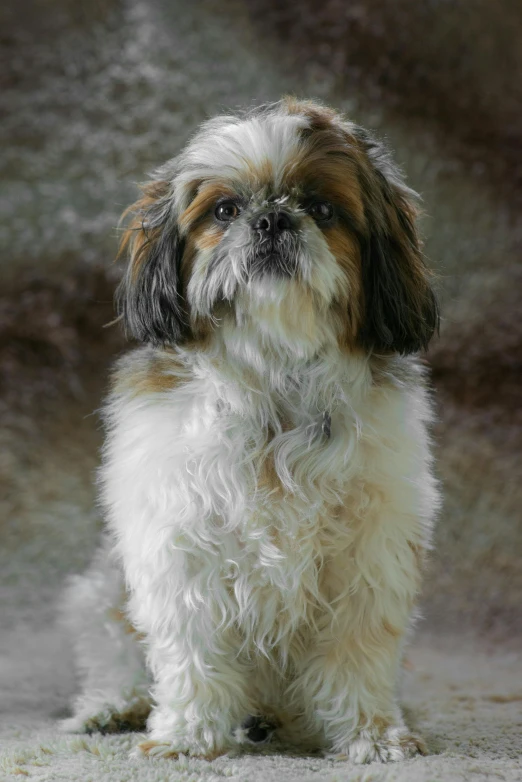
[321, 211]
[227, 211]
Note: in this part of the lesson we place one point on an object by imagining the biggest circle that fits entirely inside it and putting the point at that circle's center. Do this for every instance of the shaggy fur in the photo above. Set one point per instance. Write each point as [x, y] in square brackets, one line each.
[267, 472]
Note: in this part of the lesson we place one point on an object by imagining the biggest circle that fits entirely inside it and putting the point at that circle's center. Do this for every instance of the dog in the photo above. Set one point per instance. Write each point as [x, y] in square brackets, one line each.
[267, 474]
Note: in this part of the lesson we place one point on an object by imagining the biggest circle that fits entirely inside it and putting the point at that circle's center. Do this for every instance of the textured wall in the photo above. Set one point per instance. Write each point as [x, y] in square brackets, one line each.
[97, 94]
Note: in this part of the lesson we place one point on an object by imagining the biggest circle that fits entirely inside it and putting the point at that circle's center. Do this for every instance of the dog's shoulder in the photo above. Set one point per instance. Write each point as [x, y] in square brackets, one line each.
[149, 372]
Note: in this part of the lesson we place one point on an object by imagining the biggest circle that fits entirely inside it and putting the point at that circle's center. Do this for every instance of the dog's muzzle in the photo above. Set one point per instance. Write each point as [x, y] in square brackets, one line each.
[274, 233]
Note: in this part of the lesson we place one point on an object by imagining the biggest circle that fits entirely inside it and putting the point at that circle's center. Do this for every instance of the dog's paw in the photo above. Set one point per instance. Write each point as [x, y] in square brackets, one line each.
[394, 744]
[109, 719]
[165, 749]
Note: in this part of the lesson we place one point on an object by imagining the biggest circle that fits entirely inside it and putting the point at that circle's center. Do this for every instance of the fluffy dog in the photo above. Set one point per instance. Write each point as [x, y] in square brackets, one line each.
[266, 478]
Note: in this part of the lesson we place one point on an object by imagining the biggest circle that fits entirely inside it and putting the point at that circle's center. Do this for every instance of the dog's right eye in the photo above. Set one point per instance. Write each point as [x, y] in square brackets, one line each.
[227, 211]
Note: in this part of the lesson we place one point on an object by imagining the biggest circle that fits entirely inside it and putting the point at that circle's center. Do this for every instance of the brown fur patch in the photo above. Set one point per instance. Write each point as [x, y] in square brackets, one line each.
[207, 195]
[137, 237]
[131, 720]
[321, 117]
[258, 175]
[342, 163]
[376, 723]
[161, 373]
[148, 747]
[203, 236]
[391, 630]
[207, 237]
[345, 247]
[379, 723]
[413, 743]
[268, 480]
[328, 168]
[329, 160]
[118, 614]
[419, 553]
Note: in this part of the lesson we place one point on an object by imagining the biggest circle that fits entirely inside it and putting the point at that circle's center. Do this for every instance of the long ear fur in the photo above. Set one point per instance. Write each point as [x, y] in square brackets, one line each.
[400, 312]
[148, 297]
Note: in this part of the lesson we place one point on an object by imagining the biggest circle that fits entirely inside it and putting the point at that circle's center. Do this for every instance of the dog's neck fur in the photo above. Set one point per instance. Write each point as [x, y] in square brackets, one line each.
[281, 386]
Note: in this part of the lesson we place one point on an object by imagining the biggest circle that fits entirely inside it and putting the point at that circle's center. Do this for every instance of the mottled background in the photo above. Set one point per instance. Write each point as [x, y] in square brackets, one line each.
[94, 95]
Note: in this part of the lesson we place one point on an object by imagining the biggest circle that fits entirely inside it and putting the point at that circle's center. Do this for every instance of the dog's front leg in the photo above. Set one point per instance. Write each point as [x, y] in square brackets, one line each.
[201, 696]
[350, 688]
[348, 679]
[201, 683]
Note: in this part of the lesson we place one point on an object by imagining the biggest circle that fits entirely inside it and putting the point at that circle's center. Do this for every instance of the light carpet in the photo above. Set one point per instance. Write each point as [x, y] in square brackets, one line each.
[464, 698]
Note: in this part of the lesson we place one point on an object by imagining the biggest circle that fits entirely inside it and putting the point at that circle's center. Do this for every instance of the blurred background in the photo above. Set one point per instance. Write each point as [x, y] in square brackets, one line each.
[95, 95]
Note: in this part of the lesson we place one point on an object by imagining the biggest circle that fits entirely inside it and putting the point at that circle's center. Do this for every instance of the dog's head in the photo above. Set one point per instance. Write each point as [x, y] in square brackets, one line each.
[288, 220]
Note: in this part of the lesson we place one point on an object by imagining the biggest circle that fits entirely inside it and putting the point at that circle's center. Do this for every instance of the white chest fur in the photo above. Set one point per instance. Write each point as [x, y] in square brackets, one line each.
[229, 500]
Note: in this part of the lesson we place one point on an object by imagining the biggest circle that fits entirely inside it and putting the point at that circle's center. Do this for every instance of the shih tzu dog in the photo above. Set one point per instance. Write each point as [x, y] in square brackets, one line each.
[266, 479]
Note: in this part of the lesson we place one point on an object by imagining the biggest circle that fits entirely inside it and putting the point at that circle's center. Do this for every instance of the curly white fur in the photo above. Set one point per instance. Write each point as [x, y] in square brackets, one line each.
[254, 598]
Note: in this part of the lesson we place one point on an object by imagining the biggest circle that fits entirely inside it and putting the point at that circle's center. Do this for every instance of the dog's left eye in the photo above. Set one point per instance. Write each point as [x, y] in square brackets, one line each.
[227, 211]
[321, 211]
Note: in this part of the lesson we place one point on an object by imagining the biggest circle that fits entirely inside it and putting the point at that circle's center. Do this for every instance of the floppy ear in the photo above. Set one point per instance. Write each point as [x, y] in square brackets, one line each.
[400, 309]
[148, 297]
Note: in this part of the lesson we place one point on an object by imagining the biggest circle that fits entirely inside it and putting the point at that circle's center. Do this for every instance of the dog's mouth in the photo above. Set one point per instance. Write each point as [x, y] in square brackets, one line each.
[272, 261]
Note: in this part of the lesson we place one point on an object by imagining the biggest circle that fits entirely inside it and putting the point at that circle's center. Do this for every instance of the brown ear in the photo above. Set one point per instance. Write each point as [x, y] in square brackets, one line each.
[148, 297]
[400, 309]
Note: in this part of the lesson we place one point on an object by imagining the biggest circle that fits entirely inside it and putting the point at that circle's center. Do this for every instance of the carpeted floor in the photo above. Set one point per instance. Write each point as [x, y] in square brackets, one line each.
[465, 700]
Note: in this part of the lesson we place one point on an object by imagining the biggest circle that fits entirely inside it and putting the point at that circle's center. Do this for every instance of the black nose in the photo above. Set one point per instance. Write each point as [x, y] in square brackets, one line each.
[272, 223]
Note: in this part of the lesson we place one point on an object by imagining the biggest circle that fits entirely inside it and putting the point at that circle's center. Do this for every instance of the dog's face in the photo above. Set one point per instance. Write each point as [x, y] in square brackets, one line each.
[290, 221]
